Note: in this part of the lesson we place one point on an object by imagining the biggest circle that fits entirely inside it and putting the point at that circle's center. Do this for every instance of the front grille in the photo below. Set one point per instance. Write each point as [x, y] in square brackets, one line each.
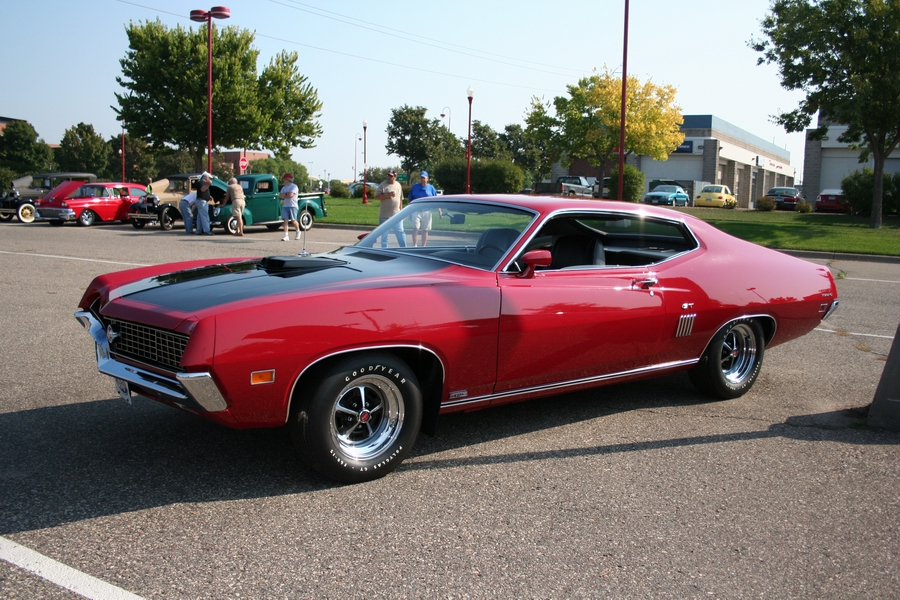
[156, 347]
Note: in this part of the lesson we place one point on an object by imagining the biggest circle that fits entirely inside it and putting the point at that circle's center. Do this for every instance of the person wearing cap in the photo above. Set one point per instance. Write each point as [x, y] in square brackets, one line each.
[421, 220]
[390, 194]
[289, 205]
[202, 204]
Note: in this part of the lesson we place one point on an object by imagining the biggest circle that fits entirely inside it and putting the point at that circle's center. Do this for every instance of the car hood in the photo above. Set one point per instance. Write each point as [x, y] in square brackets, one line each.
[211, 288]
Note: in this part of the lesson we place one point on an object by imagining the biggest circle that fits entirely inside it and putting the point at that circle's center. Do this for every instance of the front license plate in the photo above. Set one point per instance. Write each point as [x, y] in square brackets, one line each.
[123, 389]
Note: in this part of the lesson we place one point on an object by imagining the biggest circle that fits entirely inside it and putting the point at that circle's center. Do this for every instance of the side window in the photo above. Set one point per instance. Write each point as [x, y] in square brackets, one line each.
[137, 192]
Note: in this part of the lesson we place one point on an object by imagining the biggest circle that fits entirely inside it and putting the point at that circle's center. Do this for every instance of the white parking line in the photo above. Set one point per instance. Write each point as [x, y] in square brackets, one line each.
[875, 280]
[60, 574]
[886, 337]
[111, 262]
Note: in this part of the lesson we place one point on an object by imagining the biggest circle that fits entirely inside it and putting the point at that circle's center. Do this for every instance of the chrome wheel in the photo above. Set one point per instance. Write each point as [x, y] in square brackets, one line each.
[87, 217]
[25, 213]
[738, 356]
[367, 417]
[732, 360]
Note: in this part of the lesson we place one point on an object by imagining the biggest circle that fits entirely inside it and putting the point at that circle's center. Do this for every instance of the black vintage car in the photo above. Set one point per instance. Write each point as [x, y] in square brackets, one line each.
[161, 206]
[19, 201]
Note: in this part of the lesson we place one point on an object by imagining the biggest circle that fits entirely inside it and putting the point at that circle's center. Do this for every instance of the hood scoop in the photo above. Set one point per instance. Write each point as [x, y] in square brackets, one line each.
[298, 265]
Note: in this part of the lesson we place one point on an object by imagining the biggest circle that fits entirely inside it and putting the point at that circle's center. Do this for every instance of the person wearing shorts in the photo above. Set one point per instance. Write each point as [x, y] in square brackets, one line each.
[421, 220]
[289, 205]
[390, 194]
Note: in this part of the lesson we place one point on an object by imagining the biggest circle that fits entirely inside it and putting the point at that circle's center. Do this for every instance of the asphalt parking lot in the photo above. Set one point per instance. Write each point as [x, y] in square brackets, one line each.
[643, 490]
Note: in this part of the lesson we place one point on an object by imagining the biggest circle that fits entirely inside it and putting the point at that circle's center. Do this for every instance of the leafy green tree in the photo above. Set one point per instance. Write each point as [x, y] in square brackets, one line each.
[289, 107]
[488, 176]
[140, 163]
[412, 137]
[587, 121]
[858, 189]
[83, 149]
[22, 152]
[541, 131]
[164, 74]
[524, 153]
[486, 143]
[845, 56]
[173, 162]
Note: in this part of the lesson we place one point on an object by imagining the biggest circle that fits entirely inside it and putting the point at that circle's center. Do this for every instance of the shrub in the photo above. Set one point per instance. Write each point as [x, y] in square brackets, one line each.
[730, 204]
[339, 190]
[488, 176]
[804, 206]
[765, 204]
[859, 187]
[633, 184]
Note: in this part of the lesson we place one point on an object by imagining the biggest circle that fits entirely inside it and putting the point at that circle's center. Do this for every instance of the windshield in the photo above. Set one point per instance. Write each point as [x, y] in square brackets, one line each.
[473, 234]
[666, 188]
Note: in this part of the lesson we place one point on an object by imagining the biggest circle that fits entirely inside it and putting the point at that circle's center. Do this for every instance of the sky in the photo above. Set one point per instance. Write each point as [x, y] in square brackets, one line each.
[367, 57]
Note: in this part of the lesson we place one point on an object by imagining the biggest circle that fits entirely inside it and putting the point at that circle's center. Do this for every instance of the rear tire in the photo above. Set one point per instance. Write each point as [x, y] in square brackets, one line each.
[732, 361]
[6, 217]
[361, 420]
[231, 226]
[167, 220]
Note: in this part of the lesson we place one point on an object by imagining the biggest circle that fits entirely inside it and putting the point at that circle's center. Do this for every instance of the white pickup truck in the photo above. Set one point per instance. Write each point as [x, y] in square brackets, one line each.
[569, 185]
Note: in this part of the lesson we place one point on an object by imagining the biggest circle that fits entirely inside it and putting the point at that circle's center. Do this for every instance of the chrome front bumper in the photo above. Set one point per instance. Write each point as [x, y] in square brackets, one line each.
[194, 391]
[54, 214]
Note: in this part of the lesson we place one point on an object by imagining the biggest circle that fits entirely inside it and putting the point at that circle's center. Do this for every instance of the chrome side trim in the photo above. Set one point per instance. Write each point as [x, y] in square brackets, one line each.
[192, 390]
[562, 386]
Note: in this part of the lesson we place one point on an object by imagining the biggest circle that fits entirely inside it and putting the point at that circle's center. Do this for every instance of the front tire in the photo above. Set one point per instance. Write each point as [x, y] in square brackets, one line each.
[732, 361]
[6, 217]
[362, 419]
[87, 218]
[25, 213]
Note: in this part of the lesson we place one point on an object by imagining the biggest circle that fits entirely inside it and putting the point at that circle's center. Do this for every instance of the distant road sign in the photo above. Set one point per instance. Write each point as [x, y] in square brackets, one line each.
[244, 163]
[402, 177]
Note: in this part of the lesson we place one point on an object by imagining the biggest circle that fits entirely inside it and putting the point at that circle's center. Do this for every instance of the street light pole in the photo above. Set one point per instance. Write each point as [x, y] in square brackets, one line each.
[365, 165]
[470, 93]
[449, 116]
[216, 12]
[622, 115]
[356, 138]
[123, 154]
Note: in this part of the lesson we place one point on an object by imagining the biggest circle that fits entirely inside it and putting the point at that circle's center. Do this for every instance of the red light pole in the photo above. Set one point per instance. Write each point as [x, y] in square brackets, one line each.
[622, 115]
[216, 12]
[365, 166]
[123, 154]
[470, 93]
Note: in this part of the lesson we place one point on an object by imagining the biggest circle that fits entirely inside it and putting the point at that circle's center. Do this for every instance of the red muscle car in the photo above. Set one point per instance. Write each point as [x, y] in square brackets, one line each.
[90, 203]
[514, 297]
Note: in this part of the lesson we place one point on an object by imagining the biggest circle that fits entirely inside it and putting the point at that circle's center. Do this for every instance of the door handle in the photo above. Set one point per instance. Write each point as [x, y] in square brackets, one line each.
[644, 284]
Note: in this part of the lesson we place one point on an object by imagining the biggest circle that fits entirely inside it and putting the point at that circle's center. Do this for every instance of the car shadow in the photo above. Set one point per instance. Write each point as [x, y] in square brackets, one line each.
[81, 461]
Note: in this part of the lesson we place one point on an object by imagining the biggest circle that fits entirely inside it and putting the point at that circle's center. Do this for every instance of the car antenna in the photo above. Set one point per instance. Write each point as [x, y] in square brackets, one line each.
[304, 251]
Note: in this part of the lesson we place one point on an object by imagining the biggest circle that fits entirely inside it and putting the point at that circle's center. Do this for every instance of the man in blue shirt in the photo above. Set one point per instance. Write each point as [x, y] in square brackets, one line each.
[421, 220]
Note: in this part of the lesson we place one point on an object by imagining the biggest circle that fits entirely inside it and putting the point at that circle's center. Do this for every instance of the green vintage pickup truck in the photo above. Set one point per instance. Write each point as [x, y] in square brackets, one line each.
[263, 206]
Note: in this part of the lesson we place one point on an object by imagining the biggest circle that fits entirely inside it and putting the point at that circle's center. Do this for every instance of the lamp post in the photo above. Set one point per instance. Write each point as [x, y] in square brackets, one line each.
[356, 138]
[622, 114]
[122, 152]
[470, 93]
[449, 116]
[216, 12]
[365, 165]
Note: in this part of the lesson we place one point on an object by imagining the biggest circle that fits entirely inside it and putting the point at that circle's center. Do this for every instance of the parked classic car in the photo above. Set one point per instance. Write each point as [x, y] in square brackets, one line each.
[514, 297]
[667, 195]
[90, 203]
[831, 200]
[262, 205]
[718, 196]
[21, 199]
[162, 206]
[786, 198]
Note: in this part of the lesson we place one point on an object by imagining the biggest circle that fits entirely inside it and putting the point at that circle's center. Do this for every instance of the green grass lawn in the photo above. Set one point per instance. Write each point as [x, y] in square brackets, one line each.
[776, 229]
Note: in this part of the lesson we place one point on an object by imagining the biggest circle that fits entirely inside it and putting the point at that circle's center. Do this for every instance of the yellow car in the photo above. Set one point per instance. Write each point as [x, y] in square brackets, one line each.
[715, 195]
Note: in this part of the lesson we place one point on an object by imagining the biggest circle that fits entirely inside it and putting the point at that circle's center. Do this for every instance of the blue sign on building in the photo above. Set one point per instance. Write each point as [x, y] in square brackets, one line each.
[686, 147]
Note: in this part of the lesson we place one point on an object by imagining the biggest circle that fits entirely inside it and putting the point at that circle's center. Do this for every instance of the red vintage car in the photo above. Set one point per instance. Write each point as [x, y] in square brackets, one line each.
[90, 203]
[514, 297]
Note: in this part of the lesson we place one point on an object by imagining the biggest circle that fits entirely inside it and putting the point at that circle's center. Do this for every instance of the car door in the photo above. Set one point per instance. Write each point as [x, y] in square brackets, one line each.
[99, 202]
[129, 197]
[572, 324]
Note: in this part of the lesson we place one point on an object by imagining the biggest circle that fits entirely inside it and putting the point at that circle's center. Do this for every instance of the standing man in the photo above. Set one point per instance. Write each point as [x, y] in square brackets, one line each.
[390, 194]
[421, 220]
[186, 206]
[203, 197]
[289, 205]
[235, 195]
